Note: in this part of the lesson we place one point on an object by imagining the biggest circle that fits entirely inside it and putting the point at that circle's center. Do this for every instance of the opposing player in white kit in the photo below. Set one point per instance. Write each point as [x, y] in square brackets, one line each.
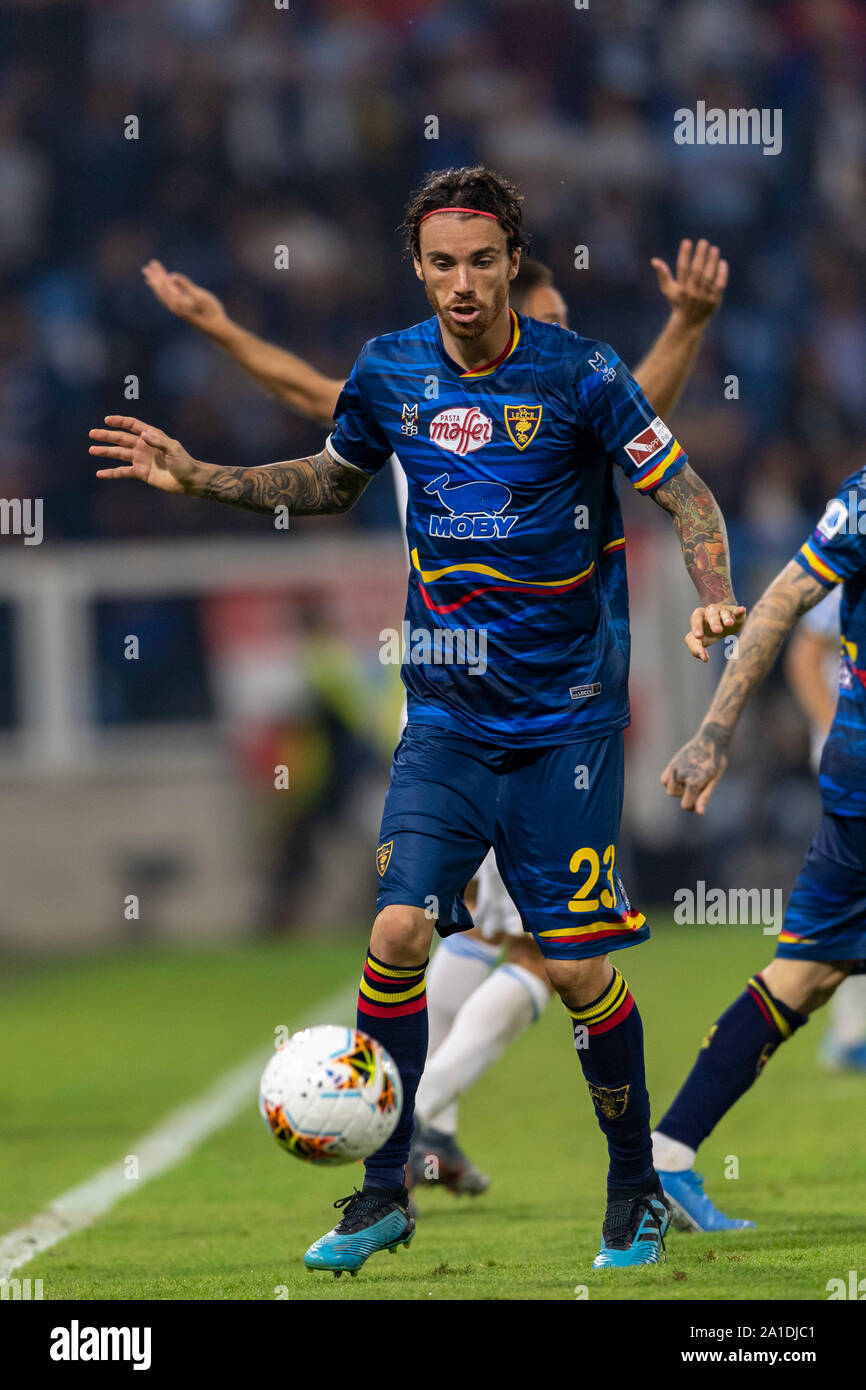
[475, 1010]
[812, 668]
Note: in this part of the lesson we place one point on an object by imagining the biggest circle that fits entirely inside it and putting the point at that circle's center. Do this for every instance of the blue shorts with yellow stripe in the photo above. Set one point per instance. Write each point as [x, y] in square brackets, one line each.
[826, 915]
[552, 816]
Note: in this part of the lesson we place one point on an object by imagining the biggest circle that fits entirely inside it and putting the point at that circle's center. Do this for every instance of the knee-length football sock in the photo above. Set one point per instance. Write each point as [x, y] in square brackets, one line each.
[732, 1057]
[459, 965]
[392, 1007]
[496, 1013]
[608, 1037]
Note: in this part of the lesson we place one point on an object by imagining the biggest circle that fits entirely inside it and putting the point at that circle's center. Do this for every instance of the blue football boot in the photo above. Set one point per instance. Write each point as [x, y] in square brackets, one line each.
[633, 1231]
[691, 1208]
[369, 1223]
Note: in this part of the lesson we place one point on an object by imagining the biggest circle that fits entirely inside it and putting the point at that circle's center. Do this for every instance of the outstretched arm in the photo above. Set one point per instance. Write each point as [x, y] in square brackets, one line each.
[701, 529]
[281, 373]
[694, 296]
[693, 773]
[307, 487]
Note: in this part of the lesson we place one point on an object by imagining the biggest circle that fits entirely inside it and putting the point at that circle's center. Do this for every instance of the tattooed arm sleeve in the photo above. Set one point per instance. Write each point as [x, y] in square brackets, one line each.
[701, 529]
[790, 595]
[307, 487]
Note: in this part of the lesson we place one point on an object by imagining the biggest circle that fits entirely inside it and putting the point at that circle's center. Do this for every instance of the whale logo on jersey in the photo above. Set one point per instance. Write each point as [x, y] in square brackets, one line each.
[475, 509]
[462, 429]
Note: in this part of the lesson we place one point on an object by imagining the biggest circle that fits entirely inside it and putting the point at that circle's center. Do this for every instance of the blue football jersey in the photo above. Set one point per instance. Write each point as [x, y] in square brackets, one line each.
[516, 617]
[835, 553]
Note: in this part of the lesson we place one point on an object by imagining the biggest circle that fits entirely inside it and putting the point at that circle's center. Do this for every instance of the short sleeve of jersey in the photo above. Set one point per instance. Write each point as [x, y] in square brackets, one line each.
[615, 409]
[836, 549]
[357, 438]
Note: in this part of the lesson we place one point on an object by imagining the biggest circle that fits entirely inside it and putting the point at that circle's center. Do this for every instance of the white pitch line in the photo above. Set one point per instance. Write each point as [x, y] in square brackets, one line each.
[180, 1132]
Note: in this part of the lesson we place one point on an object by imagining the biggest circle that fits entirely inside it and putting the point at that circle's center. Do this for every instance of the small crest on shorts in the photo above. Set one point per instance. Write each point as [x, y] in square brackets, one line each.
[611, 1101]
[383, 856]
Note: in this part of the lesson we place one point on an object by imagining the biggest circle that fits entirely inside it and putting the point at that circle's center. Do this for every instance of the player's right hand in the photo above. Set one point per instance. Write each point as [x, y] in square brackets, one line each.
[694, 772]
[698, 287]
[144, 453]
[185, 298]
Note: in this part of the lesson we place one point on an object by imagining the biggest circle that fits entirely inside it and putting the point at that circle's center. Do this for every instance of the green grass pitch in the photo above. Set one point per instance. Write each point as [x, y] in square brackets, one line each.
[98, 1051]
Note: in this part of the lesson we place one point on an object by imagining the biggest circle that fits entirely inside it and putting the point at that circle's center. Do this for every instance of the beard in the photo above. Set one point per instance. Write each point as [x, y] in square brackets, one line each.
[481, 324]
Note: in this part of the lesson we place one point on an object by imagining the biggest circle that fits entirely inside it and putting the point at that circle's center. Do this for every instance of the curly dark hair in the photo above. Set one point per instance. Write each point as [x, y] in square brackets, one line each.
[475, 187]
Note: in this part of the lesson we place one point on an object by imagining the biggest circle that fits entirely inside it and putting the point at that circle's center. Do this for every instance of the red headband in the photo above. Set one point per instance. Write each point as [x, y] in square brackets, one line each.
[476, 212]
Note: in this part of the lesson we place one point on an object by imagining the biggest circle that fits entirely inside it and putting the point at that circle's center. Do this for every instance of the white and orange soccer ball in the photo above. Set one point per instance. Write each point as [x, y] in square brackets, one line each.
[331, 1095]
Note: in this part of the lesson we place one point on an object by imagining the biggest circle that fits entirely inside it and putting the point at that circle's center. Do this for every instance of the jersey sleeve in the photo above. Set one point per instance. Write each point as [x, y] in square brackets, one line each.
[357, 438]
[615, 409]
[836, 549]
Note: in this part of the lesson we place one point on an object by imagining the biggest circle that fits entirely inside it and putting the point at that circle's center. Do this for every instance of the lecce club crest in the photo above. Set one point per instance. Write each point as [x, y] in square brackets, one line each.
[383, 857]
[522, 423]
[612, 1101]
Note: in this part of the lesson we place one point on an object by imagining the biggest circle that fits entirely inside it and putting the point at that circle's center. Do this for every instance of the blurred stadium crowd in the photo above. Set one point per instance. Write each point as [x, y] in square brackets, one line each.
[259, 126]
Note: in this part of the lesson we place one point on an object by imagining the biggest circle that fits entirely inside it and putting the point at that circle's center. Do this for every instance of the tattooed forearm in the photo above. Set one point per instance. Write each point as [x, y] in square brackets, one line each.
[775, 613]
[307, 487]
[701, 530]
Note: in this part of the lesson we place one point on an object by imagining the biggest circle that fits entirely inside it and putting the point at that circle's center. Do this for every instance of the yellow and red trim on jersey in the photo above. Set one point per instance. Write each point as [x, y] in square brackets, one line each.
[506, 352]
[614, 545]
[658, 470]
[818, 565]
[514, 586]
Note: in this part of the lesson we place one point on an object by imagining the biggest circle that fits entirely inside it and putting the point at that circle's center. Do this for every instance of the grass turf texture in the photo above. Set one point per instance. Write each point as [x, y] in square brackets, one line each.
[97, 1052]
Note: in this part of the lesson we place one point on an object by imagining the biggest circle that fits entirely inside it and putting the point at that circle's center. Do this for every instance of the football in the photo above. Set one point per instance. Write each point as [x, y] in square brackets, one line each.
[331, 1095]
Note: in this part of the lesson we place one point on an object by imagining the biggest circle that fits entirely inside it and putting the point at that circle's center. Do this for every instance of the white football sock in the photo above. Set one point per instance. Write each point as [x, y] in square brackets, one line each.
[459, 965]
[669, 1155]
[497, 1013]
[848, 1012]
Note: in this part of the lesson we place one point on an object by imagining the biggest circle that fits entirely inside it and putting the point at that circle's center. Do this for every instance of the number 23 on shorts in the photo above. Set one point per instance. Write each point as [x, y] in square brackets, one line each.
[587, 860]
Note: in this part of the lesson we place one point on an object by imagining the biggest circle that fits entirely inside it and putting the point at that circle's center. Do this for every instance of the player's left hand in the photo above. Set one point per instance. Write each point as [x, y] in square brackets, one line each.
[698, 288]
[694, 772]
[711, 624]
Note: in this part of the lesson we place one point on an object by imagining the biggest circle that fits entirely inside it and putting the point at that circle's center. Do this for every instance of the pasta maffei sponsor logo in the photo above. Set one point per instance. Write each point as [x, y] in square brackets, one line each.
[462, 429]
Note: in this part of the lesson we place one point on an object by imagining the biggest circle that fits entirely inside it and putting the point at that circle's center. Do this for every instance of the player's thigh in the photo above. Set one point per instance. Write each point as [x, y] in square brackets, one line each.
[556, 839]
[434, 826]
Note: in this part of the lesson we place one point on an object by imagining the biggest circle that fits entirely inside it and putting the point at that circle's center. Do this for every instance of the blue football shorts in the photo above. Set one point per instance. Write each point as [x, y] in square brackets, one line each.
[826, 915]
[551, 815]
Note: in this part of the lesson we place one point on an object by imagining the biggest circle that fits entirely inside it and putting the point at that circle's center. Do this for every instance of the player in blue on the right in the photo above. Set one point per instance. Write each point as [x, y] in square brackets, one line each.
[823, 937]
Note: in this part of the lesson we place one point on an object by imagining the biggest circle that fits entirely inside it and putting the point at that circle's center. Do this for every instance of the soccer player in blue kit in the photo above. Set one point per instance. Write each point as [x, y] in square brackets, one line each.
[508, 430]
[823, 936]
